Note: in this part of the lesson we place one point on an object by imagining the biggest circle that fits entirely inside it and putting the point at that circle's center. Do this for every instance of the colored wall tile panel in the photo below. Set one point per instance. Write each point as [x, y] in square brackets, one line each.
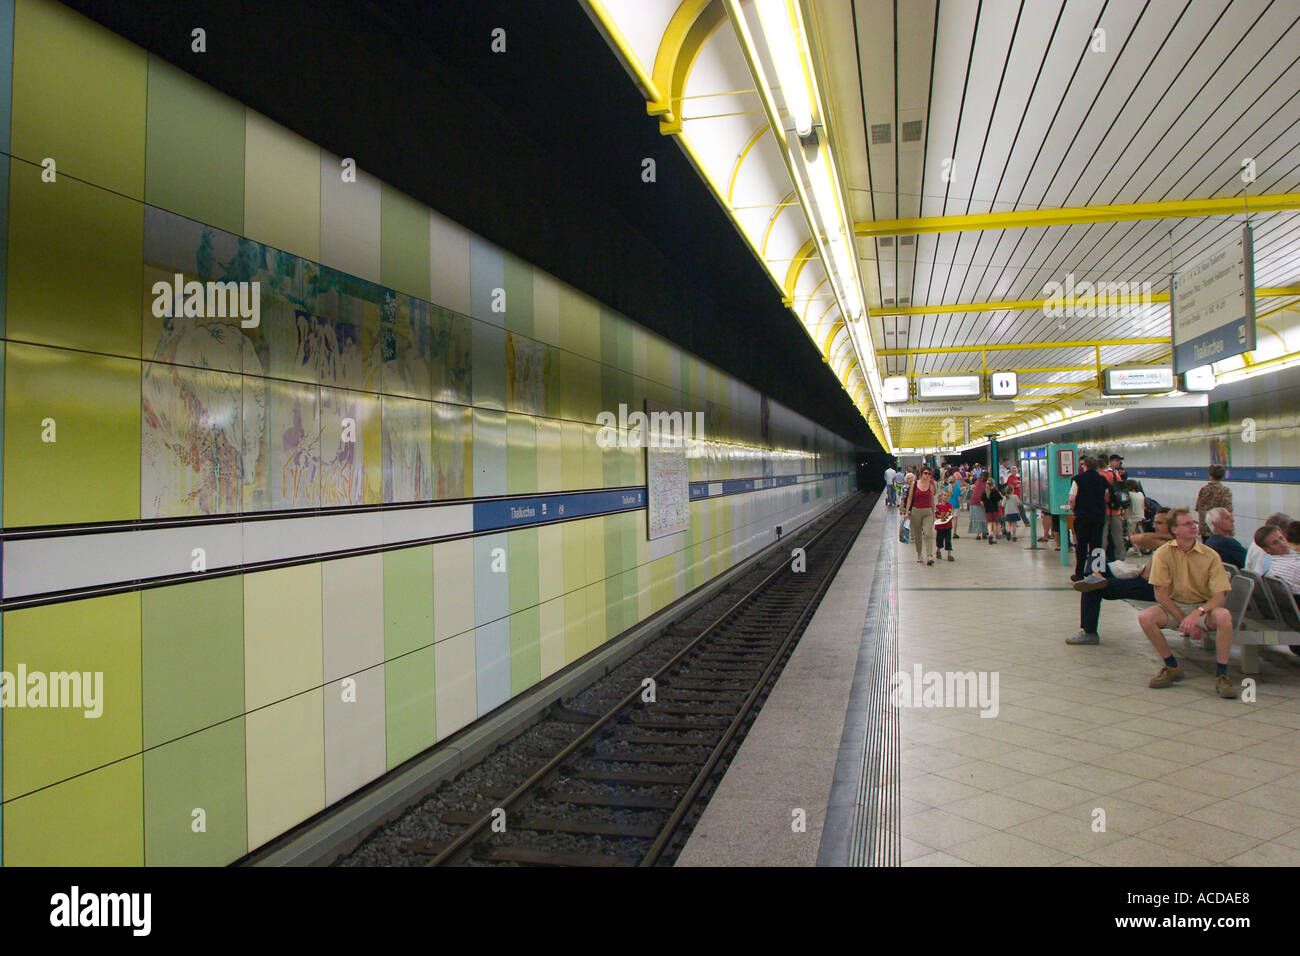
[453, 582]
[194, 164]
[489, 452]
[45, 481]
[525, 650]
[410, 700]
[192, 650]
[456, 683]
[551, 561]
[408, 600]
[404, 243]
[355, 741]
[282, 436]
[453, 451]
[351, 448]
[73, 266]
[98, 641]
[489, 366]
[572, 457]
[407, 465]
[487, 281]
[78, 97]
[492, 664]
[195, 799]
[349, 219]
[528, 364]
[191, 441]
[551, 637]
[96, 819]
[281, 188]
[406, 346]
[448, 264]
[282, 633]
[550, 467]
[524, 569]
[521, 454]
[518, 283]
[352, 613]
[546, 308]
[451, 363]
[575, 626]
[491, 578]
[286, 765]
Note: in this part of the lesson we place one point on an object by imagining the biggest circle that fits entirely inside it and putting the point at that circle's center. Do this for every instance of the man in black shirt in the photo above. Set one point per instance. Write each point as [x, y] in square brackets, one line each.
[1088, 503]
[1221, 539]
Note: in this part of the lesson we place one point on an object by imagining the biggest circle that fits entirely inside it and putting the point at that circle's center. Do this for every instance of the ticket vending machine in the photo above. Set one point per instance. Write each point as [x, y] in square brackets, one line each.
[1046, 473]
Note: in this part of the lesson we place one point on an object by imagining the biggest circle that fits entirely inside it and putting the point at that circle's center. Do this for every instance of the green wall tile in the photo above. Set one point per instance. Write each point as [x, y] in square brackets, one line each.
[281, 188]
[192, 646]
[45, 745]
[523, 564]
[411, 707]
[519, 296]
[201, 772]
[96, 819]
[403, 243]
[525, 650]
[195, 159]
[78, 97]
[408, 600]
[521, 454]
[91, 472]
[74, 265]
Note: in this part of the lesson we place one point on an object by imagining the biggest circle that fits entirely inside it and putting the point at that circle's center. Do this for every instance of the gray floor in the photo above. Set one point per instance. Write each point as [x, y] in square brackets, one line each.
[1083, 764]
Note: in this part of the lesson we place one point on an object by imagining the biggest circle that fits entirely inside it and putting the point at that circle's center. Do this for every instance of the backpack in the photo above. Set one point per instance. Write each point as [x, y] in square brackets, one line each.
[1118, 498]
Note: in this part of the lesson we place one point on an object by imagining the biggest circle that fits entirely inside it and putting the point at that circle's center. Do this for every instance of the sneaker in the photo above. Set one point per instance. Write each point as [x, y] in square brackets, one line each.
[1083, 637]
[1093, 582]
[1224, 686]
[929, 561]
[1168, 675]
[950, 557]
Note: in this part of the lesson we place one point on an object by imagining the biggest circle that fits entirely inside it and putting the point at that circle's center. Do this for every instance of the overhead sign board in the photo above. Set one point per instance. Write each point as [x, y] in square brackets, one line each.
[949, 409]
[1213, 304]
[948, 387]
[895, 389]
[1137, 380]
[1004, 385]
[1153, 401]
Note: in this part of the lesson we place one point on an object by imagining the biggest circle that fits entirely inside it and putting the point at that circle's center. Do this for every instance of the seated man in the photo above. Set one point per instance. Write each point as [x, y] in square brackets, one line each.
[1285, 563]
[1191, 588]
[1257, 559]
[1102, 587]
[1221, 539]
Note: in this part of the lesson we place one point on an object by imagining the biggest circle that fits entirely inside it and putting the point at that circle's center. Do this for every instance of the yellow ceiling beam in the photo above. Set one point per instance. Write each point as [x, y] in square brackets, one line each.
[1123, 212]
[1025, 346]
[1156, 298]
[689, 29]
[740, 161]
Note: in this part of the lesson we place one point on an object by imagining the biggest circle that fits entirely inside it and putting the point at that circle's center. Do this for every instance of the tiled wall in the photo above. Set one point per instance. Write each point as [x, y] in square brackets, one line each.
[236, 706]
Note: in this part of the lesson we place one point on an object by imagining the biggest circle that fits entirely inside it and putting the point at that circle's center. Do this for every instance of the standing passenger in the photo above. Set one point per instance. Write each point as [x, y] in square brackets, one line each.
[944, 519]
[993, 509]
[1213, 494]
[978, 523]
[920, 509]
[1011, 508]
[1088, 506]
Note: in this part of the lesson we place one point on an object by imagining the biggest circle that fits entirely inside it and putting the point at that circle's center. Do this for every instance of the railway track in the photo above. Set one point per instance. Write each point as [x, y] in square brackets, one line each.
[615, 786]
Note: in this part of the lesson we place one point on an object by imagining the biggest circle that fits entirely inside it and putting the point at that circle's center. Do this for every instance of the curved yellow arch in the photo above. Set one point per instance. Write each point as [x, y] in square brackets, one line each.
[689, 29]
[813, 295]
[830, 336]
[740, 160]
[786, 203]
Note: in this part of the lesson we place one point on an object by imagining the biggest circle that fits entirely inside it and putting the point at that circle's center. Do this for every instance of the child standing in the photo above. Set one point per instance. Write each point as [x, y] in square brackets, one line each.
[944, 518]
[992, 510]
[1011, 504]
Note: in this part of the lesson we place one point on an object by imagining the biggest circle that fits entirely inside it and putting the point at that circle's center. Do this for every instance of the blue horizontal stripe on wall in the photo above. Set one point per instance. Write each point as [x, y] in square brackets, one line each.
[1281, 476]
[535, 509]
[524, 510]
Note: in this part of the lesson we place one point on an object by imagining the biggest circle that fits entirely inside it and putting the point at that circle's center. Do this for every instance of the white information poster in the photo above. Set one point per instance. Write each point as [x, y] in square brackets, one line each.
[1214, 305]
[668, 489]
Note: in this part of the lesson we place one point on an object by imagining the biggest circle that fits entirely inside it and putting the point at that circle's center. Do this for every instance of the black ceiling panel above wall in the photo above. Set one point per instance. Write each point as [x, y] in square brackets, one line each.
[538, 149]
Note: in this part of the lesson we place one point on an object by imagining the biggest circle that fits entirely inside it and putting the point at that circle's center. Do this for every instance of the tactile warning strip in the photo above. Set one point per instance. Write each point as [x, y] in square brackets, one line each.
[868, 766]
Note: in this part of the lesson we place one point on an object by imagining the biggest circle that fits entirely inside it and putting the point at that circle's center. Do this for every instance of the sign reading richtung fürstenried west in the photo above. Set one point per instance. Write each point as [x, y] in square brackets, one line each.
[1213, 305]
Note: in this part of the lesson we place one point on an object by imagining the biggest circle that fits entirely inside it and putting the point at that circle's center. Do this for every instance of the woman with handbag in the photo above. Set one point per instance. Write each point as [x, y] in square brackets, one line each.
[920, 509]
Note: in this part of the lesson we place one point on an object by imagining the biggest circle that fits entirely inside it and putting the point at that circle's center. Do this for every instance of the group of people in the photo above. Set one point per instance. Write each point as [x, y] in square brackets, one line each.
[1186, 553]
[1185, 571]
[930, 501]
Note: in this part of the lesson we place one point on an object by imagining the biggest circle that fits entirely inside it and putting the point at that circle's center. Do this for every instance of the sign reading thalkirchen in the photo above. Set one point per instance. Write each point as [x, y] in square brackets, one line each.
[1214, 305]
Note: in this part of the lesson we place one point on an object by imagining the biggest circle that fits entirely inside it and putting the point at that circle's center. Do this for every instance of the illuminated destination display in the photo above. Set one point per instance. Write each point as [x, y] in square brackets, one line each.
[1138, 380]
[948, 387]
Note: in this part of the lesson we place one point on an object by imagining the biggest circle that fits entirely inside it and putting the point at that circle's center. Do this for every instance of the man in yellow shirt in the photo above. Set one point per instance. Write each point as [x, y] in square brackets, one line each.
[1191, 588]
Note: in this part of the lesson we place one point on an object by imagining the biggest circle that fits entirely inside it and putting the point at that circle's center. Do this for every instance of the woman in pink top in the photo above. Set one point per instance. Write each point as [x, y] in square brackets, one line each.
[978, 523]
[920, 508]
